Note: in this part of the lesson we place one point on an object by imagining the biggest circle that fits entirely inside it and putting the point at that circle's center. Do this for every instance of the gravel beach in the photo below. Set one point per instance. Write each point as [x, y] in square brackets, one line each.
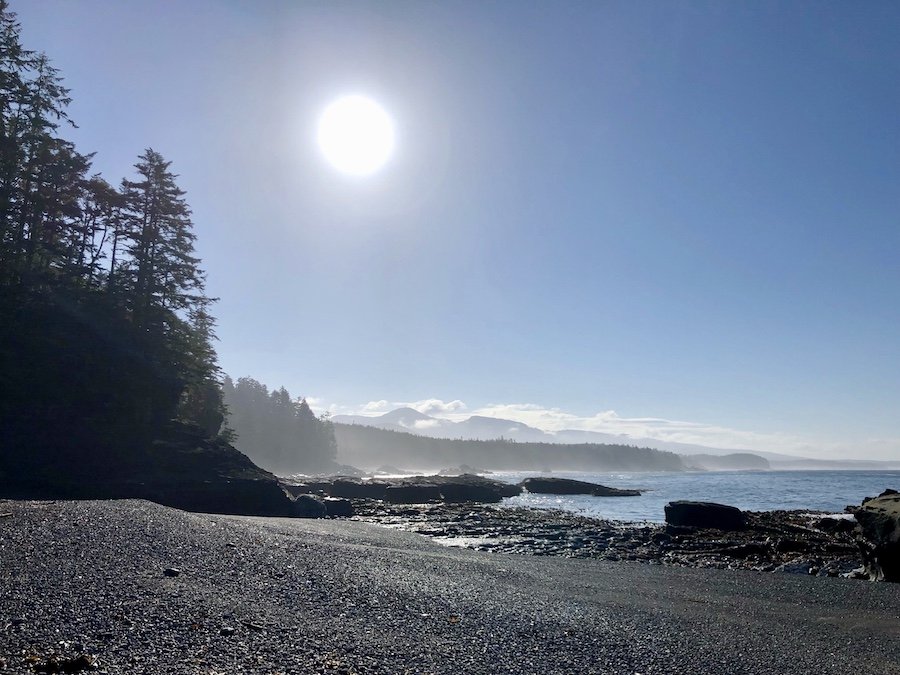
[143, 588]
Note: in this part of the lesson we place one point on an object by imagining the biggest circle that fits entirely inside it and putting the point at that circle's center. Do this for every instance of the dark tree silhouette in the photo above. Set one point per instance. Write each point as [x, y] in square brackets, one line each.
[106, 338]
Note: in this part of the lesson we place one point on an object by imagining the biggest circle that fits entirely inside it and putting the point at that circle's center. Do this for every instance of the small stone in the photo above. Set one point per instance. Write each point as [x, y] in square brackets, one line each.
[171, 572]
[227, 631]
[17, 621]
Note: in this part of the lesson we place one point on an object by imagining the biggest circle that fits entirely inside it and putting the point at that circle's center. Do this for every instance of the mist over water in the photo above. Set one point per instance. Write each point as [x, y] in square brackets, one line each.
[754, 491]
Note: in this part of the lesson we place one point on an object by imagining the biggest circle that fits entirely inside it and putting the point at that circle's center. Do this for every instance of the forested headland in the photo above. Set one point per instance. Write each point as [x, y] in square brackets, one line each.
[104, 320]
[107, 367]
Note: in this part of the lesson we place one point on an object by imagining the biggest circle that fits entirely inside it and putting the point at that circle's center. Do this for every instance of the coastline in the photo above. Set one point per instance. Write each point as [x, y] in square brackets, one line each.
[266, 595]
[799, 542]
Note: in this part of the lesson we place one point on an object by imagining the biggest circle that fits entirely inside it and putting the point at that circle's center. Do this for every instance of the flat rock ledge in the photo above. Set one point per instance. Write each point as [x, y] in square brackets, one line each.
[567, 486]
[798, 542]
[448, 489]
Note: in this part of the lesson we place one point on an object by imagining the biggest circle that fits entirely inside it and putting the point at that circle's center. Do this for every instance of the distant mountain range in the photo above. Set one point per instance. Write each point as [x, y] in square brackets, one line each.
[482, 428]
[477, 427]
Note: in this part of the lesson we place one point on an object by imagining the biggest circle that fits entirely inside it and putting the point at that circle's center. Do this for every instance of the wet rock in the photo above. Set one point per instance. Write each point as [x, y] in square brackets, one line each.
[567, 486]
[706, 515]
[354, 488]
[309, 506]
[550, 532]
[472, 488]
[413, 493]
[754, 548]
[337, 507]
[879, 521]
[835, 525]
[791, 545]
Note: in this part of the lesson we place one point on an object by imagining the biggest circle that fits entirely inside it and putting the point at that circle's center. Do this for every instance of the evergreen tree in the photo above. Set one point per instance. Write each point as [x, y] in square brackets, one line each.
[39, 172]
[277, 432]
[106, 338]
[163, 275]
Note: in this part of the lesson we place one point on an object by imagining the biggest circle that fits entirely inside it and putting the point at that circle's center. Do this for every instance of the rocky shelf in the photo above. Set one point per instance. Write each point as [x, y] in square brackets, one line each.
[448, 489]
[782, 541]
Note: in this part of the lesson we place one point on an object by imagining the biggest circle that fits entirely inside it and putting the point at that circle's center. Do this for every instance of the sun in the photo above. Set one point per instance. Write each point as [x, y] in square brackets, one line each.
[355, 135]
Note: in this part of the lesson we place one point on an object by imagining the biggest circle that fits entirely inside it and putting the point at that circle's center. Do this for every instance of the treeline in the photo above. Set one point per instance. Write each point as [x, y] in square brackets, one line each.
[370, 447]
[105, 331]
[277, 432]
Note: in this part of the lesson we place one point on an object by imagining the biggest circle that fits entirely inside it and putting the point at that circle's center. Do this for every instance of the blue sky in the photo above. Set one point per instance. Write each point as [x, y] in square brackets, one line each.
[680, 212]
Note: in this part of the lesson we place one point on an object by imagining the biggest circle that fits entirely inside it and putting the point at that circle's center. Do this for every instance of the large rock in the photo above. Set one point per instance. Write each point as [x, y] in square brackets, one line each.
[567, 486]
[705, 515]
[354, 488]
[337, 507]
[309, 506]
[472, 488]
[412, 493]
[879, 521]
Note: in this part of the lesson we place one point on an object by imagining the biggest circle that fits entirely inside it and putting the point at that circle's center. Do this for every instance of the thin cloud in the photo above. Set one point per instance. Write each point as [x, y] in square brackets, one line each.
[635, 428]
[435, 406]
[376, 407]
[656, 428]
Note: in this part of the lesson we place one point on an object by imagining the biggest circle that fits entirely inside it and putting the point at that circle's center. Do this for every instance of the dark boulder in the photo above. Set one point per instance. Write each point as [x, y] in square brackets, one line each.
[309, 506]
[412, 493]
[833, 525]
[879, 521]
[705, 515]
[337, 507]
[567, 486]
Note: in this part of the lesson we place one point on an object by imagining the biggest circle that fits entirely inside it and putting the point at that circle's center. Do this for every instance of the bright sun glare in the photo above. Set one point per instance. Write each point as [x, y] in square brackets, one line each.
[356, 135]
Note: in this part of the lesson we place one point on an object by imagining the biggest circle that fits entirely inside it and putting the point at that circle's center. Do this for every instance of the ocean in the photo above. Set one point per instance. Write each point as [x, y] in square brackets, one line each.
[754, 491]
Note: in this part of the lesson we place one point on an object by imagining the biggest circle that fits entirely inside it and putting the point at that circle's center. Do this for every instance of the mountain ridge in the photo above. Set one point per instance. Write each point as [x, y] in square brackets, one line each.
[483, 428]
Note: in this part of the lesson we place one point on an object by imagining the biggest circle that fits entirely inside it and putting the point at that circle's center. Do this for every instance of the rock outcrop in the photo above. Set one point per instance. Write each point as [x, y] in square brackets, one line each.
[705, 515]
[567, 486]
[879, 542]
[414, 490]
[181, 469]
[412, 493]
[335, 507]
[473, 488]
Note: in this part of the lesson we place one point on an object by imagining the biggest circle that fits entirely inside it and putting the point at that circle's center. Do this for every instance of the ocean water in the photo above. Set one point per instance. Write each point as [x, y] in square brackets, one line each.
[755, 491]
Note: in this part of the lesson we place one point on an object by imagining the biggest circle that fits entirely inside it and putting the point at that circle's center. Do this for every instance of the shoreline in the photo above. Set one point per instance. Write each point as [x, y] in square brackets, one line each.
[141, 588]
[800, 542]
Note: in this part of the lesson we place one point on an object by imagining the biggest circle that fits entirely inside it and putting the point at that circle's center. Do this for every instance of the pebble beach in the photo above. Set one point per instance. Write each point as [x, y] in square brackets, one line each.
[134, 587]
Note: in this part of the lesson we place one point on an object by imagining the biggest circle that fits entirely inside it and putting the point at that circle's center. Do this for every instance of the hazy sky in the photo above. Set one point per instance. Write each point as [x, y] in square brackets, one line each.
[672, 210]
